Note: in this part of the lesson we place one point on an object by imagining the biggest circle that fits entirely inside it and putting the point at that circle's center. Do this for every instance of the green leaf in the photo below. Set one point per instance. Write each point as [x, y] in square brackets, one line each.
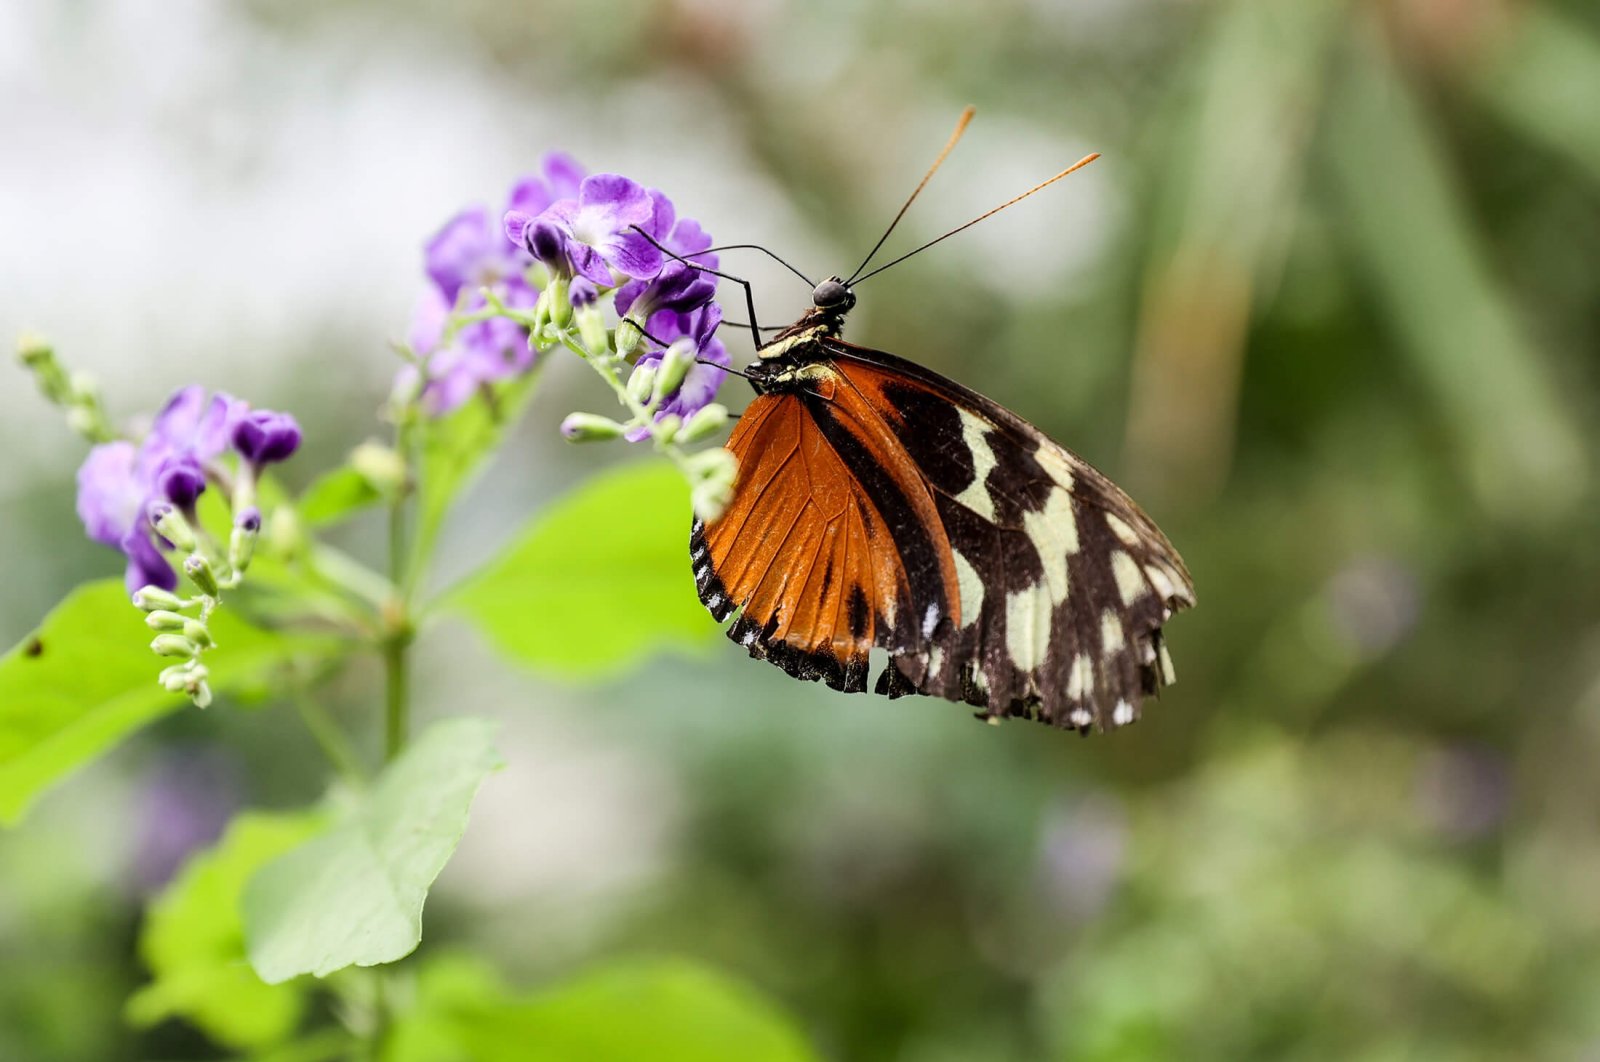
[597, 581]
[656, 1008]
[335, 495]
[193, 942]
[353, 895]
[86, 679]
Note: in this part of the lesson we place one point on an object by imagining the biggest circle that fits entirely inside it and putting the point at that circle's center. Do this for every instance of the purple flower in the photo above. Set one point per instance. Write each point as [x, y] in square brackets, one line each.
[121, 484]
[264, 437]
[599, 225]
[562, 176]
[190, 426]
[700, 386]
[113, 492]
[480, 353]
[678, 288]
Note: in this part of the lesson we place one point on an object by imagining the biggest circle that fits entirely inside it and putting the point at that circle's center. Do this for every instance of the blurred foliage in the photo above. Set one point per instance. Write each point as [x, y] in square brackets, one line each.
[1339, 339]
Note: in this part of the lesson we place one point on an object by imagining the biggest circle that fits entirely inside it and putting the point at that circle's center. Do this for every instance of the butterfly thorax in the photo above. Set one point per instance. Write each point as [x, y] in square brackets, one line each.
[796, 357]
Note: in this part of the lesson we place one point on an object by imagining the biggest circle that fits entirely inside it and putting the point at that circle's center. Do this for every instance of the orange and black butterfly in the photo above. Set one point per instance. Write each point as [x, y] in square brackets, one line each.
[881, 505]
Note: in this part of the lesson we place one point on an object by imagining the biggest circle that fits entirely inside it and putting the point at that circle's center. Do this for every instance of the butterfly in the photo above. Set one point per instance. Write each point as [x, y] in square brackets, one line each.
[880, 505]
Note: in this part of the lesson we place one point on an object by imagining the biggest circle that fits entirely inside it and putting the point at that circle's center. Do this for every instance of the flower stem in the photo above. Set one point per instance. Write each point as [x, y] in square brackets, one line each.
[396, 641]
[328, 736]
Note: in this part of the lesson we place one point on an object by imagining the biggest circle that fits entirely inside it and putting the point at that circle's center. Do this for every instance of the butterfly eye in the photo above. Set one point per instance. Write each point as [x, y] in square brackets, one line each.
[832, 294]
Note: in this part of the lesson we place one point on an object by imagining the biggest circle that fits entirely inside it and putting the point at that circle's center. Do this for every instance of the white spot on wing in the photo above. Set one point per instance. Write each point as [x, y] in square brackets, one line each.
[749, 638]
[1054, 531]
[1160, 580]
[1130, 581]
[1111, 639]
[1080, 678]
[1122, 530]
[930, 621]
[1028, 626]
[1080, 717]
[976, 495]
[1169, 674]
[1122, 714]
[936, 660]
[713, 601]
[970, 586]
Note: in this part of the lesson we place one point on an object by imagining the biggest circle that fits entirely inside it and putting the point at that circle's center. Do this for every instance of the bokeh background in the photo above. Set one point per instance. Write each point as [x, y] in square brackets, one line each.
[1329, 307]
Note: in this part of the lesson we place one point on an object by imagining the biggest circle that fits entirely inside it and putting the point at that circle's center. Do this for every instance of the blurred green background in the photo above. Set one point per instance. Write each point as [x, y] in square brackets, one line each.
[1329, 307]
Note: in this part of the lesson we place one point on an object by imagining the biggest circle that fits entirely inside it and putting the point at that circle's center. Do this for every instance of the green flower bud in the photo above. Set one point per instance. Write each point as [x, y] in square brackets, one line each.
[33, 350]
[675, 364]
[709, 498]
[592, 329]
[199, 571]
[642, 382]
[560, 303]
[703, 423]
[380, 466]
[153, 598]
[197, 633]
[590, 427]
[173, 645]
[242, 545]
[667, 427]
[628, 337]
[200, 693]
[165, 620]
[172, 526]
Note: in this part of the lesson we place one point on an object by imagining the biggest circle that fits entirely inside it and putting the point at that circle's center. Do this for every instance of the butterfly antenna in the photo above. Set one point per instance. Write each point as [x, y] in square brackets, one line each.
[961, 127]
[757, 247]
[1080, 164]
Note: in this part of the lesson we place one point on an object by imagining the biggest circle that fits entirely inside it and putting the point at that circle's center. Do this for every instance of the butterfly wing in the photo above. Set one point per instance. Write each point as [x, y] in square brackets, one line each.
[1064, 582]
[823, 560]
[884, 505]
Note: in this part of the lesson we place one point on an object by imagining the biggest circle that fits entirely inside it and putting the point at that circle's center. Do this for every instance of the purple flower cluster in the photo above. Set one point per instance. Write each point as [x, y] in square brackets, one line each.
[470, 253]
[123, 487]
[605, 237]
[594, 234]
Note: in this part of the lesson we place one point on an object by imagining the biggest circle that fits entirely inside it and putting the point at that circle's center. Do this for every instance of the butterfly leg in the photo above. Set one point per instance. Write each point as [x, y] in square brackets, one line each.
[749, 294]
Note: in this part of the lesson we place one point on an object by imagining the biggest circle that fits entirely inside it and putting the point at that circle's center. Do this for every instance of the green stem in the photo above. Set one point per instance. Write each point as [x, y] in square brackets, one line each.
[396, 640]
[329, 737]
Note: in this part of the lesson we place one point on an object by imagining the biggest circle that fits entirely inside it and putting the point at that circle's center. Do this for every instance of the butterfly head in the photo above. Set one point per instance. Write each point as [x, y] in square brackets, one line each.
[834, 297]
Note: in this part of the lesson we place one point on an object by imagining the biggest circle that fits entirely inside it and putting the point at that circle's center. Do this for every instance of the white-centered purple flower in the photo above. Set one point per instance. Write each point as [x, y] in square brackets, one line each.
[699, 387]
[599, 226]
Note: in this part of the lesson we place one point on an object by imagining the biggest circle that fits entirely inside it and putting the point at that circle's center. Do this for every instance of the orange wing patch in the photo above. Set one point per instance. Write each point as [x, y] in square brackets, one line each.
[817, 567]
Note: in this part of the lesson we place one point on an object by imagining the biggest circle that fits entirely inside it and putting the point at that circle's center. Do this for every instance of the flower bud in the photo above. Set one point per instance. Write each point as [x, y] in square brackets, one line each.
[628, 336]
[590, 427]
[704, 422]
[153, 599]
[165, 620]
[642, 382]
[199, 571]
[667, 426]
[242, 543]
[171, 525]
[382, 467]
[197, 633]
[173, 645]
[175, 679]
[675, 363]
[709, 498]
[560, 303]
[200, 693]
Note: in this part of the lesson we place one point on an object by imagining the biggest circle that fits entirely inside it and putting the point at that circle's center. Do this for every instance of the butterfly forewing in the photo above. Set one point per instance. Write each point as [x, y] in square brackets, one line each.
[880, 504]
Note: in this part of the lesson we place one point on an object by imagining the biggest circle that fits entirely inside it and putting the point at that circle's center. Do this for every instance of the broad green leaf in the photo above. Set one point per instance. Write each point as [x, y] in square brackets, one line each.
[598, 580]
[1543, 77]
[353, 894]
[86, 679]
[335, 495]
[657, 1008]
[193, 942]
